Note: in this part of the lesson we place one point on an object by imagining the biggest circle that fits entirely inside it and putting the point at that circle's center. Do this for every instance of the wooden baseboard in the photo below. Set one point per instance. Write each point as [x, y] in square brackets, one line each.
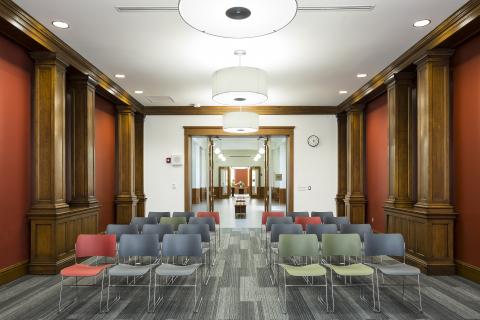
[13, 272]
[468, 271]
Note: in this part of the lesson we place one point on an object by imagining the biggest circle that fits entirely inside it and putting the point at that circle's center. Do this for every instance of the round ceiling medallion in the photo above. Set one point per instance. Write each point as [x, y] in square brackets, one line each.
[238, 19]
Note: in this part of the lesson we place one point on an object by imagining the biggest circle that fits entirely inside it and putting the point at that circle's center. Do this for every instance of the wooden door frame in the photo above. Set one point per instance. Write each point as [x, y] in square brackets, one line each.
[220, 195]
[217, 131]
[259, 182]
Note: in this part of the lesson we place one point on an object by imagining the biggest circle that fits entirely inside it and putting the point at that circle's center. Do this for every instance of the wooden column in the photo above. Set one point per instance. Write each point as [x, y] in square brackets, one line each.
[342, 163]
[125, 200]
[355, 198]
[400, 140]
[139, 190]
[82, 93]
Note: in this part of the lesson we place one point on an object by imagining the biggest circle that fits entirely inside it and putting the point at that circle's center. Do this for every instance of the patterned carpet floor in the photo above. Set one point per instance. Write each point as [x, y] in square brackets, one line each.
[240, 288]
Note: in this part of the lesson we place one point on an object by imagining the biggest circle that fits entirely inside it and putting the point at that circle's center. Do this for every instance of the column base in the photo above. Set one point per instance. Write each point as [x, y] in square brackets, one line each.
[398, 203]
[125, 208]
[340, 202]
[141, 205]
[428, 238]
[355, 208]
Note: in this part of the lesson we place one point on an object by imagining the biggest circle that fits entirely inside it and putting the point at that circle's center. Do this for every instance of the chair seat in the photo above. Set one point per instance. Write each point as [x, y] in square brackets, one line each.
[205, 250]
[83, 270]
[397, 269]
[174, 270]
[127, 270]
[310, 270]
[357, 269]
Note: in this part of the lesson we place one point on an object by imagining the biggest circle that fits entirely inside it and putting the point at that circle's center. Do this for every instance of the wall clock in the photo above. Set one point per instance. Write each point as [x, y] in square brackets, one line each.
[313, 141]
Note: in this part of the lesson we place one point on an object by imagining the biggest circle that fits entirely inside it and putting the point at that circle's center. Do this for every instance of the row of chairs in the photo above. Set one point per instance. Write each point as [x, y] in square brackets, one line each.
[191, 240]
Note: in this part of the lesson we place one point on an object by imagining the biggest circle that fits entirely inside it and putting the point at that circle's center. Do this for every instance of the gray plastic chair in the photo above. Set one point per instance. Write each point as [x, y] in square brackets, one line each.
[207, 220]
[180, 245]
[320, 229]
[360, 229]
[278, 229]
[202, 229]
[337, 220]
[277, 220]
[295, 214]
[159, 229]
[119, 229]
[134, 245]
[159, 214]
[187, 215]
[322, 214]
[378, 245]
[141, 221]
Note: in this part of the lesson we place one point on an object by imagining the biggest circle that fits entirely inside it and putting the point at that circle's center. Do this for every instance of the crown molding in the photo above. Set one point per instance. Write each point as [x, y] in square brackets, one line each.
[220, 110]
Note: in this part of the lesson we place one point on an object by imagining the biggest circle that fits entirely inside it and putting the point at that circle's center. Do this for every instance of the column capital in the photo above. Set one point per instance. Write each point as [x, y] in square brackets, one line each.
[123, 108]
[48, 58]
[140, 117]
[81, 78]
[360, 107]
[341, 116]
[401, 77]
[434, 55]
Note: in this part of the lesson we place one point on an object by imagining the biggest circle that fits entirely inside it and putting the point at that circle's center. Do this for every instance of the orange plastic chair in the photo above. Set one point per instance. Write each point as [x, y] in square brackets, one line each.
[307, 220]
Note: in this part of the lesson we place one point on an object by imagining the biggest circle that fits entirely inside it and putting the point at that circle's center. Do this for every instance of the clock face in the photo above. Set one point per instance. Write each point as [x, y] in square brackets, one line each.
[313, 140]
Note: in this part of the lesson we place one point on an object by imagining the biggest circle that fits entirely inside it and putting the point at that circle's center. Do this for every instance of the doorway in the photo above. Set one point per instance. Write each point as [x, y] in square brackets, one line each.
[225, 171]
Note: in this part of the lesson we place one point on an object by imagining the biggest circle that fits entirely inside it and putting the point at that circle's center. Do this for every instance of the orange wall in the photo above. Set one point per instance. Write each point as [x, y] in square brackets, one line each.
[376, 126]
[466, 150]
[105, 160]
[241, 175]
[16, 70]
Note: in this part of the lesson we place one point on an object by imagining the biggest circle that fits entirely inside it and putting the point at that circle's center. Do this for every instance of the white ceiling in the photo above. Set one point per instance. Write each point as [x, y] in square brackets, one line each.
[308, 62]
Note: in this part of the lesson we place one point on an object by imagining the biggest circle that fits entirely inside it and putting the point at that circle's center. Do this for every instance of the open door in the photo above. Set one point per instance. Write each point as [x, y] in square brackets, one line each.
[224, 182]
[266, 192]
[255, 182]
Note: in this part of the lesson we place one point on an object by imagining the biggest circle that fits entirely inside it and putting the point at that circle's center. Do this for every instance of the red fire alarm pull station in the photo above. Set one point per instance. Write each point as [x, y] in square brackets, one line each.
[169, 160]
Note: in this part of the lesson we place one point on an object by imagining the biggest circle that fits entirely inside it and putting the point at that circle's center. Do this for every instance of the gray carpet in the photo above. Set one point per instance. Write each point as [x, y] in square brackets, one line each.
[240, 288]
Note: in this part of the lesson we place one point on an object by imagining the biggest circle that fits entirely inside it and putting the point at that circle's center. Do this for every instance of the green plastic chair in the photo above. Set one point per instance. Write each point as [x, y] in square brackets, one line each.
[346, 245]
[174, 221]
[300, 245]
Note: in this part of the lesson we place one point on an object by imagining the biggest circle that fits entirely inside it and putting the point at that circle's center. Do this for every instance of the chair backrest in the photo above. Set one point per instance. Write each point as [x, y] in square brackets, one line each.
[174, 221]
[214, 214]
[277, 220]
[186, 245]
[159, 214]
[301, 245]
[320, 229]
[322, 214]
[119, 229]
[206, 220]
[202, 229]
[341, 245]
[278, 229]
[267, 214]
[377, 244]
[141, 221]
[360, 229]
[303, 221]
[159, 229]
[295, 214]
[187, 215]
[95, 245]
[337, 220]
[138, 245]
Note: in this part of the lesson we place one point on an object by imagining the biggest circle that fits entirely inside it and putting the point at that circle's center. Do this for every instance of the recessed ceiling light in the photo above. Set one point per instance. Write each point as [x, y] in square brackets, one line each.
[196, 105]
[120, 76]
[343, 91]
[60, 24]
[138, 91]
[361, 75]
[421, 23]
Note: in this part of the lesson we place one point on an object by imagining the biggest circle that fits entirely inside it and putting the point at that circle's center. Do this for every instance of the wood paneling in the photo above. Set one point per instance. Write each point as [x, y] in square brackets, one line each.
[342, 164]
[220, 110]
[82, 92]
[13, 271]
[139, 189]
[355, 198]
[125, 200]
[468, 271]
[401, 134]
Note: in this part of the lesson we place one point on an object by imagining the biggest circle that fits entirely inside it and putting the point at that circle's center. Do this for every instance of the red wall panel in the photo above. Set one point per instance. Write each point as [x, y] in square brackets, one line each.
[466, 150]
[241, 175]
[16, 71]
[105, 160]
[376, 126]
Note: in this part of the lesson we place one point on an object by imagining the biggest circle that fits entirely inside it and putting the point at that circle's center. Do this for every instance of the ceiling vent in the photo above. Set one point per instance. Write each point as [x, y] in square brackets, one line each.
[161, 100]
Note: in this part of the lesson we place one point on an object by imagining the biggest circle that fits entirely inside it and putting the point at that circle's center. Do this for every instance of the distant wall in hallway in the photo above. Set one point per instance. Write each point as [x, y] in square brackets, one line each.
[315, 167]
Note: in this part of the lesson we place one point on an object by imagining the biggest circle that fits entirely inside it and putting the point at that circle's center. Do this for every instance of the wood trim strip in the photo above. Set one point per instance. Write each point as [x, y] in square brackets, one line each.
[468, 271]
[22, 27]
[13, 272]
[455, 29]
[220, 110]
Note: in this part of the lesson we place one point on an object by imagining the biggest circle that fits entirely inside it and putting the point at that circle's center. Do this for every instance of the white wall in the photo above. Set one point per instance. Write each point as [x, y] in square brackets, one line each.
[315, 167]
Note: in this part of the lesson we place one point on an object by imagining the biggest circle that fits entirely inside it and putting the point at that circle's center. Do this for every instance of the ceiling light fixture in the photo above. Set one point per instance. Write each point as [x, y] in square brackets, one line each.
[343, 92]
[422, 23]
[60, 24]
[138, 91]
[239, 85]
[250, 18]
[197, 105]
[120, 76]
[361, 75]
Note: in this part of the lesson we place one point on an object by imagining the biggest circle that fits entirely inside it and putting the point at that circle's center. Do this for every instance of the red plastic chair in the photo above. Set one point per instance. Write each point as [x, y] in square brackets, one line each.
[265, 216]
[216, 216]
[89, 245]
[307, 220]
